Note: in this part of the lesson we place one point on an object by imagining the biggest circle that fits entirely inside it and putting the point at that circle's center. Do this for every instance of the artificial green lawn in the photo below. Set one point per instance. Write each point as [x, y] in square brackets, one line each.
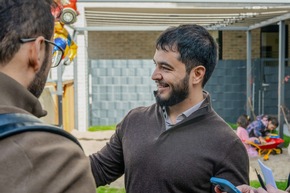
[281, 185]
[102, 128]
[108, 189]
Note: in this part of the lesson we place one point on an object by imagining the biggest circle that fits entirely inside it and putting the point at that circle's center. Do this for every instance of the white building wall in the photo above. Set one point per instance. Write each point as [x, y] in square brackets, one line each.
[81, 76]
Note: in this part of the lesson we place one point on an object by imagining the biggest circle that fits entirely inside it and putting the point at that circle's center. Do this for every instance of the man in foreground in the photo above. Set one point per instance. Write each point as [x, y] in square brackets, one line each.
[33, 161]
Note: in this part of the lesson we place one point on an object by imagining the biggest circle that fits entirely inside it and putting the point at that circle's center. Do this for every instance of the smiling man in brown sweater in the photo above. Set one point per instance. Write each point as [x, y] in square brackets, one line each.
[179, 143]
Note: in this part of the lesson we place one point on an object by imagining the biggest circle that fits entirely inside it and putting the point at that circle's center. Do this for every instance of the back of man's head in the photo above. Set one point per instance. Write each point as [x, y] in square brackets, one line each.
[23, 19]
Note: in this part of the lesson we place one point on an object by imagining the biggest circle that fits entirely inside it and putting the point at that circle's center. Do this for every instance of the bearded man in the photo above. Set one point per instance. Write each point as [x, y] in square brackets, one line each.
[179, 143]
[37, 160]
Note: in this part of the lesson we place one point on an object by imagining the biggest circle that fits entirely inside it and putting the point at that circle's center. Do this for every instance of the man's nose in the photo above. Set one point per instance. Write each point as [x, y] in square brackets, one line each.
[156, 75]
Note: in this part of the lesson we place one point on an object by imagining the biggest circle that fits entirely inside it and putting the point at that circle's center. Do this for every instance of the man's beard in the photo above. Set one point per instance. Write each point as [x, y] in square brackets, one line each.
[37, 85]
[178, 94]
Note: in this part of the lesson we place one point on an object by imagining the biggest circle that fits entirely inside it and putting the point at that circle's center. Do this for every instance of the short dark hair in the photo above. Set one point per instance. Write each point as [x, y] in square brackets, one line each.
[243, 121]
[23, 19]
[195, 45]
[273, 120]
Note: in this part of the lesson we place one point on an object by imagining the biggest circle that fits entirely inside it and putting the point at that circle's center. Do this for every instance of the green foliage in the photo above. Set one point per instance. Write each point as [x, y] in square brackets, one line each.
[286, 140]
[234, 126]
[108, 189]
[255, 184]
[281, 185]
[102, 127]
[285, 137]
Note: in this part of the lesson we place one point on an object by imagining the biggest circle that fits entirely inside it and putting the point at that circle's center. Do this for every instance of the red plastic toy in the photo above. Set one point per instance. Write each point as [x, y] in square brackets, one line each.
[66, 12]
[270, 147]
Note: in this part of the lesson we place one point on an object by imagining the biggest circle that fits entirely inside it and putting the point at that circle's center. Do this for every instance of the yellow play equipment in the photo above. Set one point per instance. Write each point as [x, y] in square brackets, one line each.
[63, 39]
[270, 147]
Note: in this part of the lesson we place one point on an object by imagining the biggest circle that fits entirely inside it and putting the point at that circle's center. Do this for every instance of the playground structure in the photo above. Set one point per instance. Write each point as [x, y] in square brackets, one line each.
[58, 96]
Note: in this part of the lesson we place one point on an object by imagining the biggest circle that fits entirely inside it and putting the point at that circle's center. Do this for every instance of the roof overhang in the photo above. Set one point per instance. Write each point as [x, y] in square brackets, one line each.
[157, 15]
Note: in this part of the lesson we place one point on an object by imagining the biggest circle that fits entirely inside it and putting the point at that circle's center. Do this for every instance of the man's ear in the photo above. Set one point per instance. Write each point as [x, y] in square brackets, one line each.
[197, 74]
[37, 54]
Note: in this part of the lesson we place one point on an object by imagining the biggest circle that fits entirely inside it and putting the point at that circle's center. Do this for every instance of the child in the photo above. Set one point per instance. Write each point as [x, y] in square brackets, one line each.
[243, 121]
[261, 127]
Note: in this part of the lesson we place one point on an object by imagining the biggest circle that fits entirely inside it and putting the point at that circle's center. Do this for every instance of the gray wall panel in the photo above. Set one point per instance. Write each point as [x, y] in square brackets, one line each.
[120, 85]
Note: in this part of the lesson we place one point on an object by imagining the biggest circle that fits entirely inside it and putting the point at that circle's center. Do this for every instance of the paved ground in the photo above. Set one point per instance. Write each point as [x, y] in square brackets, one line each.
[94, 141]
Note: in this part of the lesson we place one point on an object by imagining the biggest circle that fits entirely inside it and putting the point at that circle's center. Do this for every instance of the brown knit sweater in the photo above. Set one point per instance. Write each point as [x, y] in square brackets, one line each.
[181, 159]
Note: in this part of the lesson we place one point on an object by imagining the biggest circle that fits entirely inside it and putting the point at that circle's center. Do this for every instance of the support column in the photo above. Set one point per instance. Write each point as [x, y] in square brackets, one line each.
[281, 85]
[249, 71]
[81, 75]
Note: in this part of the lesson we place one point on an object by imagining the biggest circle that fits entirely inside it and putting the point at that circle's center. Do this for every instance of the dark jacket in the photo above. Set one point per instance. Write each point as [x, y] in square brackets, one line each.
[38, 162]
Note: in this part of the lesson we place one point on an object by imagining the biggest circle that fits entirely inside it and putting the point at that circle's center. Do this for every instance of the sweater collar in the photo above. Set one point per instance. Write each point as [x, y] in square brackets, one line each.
[204, 108]
[16, 98]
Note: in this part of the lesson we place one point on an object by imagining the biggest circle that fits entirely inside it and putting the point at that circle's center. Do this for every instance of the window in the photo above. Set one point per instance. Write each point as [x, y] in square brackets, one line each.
[270, 44]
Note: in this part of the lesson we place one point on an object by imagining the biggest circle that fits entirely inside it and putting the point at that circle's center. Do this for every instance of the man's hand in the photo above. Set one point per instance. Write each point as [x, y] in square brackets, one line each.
[249, 189]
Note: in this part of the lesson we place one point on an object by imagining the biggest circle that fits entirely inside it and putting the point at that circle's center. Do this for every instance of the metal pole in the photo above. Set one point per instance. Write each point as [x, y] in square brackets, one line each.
[260, 101]
[263, 102]
[249, 69]
[59, 95]
[281, 85]
[253, 96]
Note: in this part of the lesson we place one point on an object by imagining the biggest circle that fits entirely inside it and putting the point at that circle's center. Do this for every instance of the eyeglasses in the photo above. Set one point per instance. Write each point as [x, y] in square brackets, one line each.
[57, 52]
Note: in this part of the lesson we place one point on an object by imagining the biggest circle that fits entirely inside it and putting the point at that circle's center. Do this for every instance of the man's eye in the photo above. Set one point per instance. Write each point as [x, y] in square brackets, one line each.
[165, 68]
